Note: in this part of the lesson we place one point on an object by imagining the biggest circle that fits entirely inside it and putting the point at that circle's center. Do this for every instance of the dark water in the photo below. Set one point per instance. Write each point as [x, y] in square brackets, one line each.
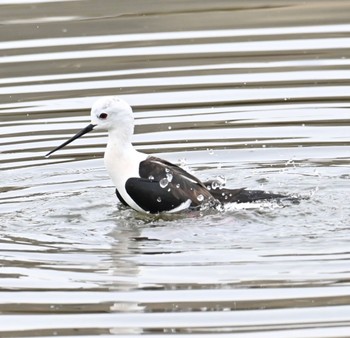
[255, 92]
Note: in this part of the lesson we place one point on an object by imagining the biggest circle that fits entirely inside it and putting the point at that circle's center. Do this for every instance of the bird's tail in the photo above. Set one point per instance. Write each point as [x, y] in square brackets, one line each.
[225, 195]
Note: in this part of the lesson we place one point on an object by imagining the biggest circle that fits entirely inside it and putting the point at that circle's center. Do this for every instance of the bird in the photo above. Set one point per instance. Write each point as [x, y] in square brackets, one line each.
[149, 184]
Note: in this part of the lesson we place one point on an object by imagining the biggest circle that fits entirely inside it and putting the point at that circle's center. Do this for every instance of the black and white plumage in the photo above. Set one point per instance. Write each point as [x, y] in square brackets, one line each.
[146, 183]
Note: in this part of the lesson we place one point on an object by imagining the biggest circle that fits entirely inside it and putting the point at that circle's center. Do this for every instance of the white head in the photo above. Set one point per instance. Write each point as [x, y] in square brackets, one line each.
[111, 112]
[108, 113]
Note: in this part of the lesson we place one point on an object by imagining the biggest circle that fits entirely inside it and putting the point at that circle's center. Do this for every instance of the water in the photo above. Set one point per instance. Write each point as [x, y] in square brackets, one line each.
[255, 93]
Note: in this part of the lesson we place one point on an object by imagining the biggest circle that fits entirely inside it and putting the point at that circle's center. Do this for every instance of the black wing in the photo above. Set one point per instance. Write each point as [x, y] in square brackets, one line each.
[156, 166]
[163, 186]
[121, 199]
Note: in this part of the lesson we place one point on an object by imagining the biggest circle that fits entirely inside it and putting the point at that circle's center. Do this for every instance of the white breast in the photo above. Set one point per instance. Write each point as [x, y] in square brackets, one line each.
[122, 164]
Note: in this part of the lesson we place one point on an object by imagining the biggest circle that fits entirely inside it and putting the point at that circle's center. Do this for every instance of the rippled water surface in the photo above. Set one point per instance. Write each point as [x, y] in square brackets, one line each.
[256, 92]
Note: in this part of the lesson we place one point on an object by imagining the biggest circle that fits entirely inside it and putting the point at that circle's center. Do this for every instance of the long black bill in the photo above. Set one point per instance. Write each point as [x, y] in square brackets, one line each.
[80, 133]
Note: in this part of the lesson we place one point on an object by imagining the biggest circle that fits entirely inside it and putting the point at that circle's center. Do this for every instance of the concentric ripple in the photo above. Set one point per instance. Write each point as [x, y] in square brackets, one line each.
[255, 93]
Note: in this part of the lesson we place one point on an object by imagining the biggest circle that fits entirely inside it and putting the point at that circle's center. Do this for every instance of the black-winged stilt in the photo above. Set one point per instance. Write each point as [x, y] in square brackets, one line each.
[146, 183]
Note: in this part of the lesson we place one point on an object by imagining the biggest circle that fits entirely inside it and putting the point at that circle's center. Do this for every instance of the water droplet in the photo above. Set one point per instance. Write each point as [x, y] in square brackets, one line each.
[169, 127]
[200, 198]
[221, 180]
[159, 199]
[214, 185]
[151, 178]
[177, 185]
[163, 182]
[169, 177]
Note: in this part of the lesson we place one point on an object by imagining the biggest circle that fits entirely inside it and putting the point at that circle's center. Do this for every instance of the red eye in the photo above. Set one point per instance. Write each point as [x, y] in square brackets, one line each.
[103, 116]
